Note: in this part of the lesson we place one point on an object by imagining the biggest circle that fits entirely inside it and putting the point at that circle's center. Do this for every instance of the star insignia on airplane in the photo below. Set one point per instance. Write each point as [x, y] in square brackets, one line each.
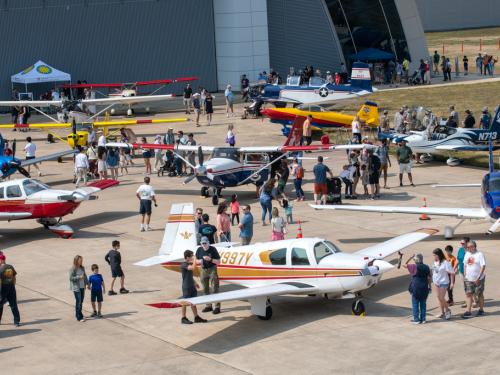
[323, 92]
[186, 235]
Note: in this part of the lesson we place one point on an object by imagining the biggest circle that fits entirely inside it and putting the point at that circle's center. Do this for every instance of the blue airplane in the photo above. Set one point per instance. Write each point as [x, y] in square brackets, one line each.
[448, 139]
[9, 164]
[489, 210]
[319, 91]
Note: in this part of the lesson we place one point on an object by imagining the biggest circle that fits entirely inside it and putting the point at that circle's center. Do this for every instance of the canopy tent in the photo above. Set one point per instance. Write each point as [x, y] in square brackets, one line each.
[39, 72]
[372, 54]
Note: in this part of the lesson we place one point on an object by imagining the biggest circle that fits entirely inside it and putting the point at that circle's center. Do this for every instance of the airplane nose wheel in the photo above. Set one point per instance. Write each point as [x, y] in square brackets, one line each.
[215, 200]
[358, 308]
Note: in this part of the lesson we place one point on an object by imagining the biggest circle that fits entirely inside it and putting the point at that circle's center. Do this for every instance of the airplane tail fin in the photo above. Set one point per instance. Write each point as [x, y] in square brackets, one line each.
[360, 76]
[179, 236]
[495, 124]
[368, 113]
[295, 133]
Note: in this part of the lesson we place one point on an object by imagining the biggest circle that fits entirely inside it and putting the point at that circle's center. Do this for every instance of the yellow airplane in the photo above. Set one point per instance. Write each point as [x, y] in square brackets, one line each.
[322, 119]
[298, 266]
[80, 133]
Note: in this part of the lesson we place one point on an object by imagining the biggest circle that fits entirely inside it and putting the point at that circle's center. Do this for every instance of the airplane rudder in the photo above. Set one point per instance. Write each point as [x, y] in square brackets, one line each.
[495, 125]
[179, 231]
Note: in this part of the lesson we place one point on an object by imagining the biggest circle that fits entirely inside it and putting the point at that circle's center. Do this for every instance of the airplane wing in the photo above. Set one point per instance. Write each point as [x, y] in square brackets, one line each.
[456, 185]
[127, 99]
[7, 216]
[384, 249]
[36, 126]
[315, 147]
[104, 124]
[466, 148]
[40, 159]
[205, 149]
[241, 294]
[30, 103]
[461, 213]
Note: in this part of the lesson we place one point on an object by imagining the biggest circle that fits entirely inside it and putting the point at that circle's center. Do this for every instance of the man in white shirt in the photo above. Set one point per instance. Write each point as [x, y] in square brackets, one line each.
[81, 166]
[30, 150]
[101, 142]
[146, 196]
[474, 278]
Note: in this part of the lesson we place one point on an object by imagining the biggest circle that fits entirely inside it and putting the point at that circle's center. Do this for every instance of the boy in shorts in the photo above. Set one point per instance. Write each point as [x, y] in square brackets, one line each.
[97, 288]
[189, 287]
[114, 259]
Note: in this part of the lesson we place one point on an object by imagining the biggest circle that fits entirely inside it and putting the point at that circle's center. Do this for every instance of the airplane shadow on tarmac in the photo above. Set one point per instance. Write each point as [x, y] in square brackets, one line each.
[17, 237]
[17, 332]
[9, 349]
[290, 312]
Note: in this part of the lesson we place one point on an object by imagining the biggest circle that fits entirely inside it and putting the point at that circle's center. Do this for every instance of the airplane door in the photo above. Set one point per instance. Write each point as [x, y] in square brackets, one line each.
[301, 263]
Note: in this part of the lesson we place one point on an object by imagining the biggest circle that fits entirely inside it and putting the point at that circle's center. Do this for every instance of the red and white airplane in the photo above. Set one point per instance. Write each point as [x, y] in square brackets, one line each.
[27, 198]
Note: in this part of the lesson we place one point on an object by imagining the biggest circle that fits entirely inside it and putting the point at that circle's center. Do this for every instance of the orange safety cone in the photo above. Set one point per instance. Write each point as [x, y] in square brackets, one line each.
[424, 215]
[299, 234]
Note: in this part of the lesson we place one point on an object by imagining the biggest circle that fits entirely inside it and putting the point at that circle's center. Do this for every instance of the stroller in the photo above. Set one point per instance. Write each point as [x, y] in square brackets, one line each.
[414, 79]
[253, 109]
[334, 186]
[168, 166]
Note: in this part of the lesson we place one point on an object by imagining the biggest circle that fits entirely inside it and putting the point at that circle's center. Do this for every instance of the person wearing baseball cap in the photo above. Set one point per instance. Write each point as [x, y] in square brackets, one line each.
[208, 258]
[419, 287]
[8, 289]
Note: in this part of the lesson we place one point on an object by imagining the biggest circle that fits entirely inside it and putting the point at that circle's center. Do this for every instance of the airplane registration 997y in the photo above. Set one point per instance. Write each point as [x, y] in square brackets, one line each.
[301, 266]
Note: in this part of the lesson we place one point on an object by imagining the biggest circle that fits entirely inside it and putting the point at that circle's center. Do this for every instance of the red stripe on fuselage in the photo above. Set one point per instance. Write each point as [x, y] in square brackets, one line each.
[39, 210]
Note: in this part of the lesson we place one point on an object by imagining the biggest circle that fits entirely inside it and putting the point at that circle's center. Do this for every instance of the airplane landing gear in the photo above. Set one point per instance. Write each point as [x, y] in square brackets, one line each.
[215, 200]
[449, 231]
[204, 192]
[358, 308]
[269, 314]
[453, 162]
[130, 112]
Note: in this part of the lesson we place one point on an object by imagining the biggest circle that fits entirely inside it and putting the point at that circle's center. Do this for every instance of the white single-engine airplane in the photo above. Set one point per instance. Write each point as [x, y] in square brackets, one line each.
[31, 199]
[297, 266]
[489, 210]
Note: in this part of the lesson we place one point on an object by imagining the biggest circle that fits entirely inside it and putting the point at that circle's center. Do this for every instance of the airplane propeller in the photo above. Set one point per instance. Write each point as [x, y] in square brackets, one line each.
[256, 173]
[16, 164]
[199, 169]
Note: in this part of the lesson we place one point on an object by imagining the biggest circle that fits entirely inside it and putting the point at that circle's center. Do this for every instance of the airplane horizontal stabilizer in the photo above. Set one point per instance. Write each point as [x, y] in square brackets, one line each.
[153, 261]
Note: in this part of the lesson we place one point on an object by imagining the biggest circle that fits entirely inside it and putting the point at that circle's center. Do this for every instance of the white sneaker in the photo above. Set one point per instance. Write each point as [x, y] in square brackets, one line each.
[148, 228]
[447, 315]
[142, 228]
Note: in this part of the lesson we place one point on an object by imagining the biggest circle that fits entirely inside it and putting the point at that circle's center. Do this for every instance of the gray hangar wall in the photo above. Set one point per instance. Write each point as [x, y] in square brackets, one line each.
[110, 40]
[458, 14]
[301, 33]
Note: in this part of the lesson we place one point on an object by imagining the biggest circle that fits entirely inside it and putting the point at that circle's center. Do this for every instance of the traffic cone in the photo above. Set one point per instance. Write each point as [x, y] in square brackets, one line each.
[299, 234]
[424, 215]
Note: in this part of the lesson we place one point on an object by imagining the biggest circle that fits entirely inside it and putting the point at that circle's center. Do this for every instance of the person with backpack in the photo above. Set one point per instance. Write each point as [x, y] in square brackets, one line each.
[420, 287]
[485, 121]
[298, 175]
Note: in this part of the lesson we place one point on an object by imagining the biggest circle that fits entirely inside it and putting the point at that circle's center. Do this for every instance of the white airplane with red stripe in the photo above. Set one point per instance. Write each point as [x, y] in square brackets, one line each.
[27, 198]
[301, 266]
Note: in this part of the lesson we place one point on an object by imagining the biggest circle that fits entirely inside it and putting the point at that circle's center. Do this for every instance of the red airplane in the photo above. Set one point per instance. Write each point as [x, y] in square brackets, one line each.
[27, 198]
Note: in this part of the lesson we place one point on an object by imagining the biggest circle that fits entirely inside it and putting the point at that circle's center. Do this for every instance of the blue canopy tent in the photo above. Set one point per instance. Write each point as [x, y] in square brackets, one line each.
[372, 54]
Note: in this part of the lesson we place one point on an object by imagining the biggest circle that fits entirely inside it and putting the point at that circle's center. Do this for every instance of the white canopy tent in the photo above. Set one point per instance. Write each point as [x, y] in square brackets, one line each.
[39, 72]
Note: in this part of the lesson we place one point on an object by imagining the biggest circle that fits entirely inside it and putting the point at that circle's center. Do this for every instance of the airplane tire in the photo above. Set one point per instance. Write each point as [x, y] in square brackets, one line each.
[358, 308]
[269, 314]
[215, 200]
[204, 192]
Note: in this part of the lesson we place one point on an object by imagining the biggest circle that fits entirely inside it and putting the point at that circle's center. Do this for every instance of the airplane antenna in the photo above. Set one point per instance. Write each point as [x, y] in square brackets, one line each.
[492, 165]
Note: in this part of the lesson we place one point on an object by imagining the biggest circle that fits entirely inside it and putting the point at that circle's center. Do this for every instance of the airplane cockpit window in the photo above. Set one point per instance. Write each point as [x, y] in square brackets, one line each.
[316, 108]
[299, 257]
[278, 257]
[226, 153]
[14, 191]
[293, 81]
[33, 186]
[494, 184]
[332, 247]
[316, 81]
[321, 250]
[1, 193]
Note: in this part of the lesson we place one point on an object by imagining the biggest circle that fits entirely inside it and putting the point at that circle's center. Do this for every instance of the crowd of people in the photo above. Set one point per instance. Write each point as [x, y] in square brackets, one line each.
[446, 271]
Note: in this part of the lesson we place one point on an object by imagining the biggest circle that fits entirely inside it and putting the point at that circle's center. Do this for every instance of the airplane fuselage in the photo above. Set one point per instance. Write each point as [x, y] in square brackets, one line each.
[490, 195]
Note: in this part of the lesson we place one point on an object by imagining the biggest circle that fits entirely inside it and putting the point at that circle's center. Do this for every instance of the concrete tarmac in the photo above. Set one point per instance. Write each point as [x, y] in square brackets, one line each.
[306, 334]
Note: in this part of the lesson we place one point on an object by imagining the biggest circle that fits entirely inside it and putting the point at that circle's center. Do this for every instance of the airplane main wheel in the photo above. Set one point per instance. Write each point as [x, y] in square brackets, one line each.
[215, 200]
[129, 112]
[204, 192]
[358, 308]
[269, 314]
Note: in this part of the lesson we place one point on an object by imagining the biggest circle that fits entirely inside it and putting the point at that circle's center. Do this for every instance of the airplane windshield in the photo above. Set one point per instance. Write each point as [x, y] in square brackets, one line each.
[293, 81]
[33, 186]
[323, 249]
[316, 81]
[226, 153]
[494, 185]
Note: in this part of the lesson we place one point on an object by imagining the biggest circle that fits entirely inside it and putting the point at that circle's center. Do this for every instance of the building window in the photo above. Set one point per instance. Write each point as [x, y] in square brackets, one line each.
[362, 24]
